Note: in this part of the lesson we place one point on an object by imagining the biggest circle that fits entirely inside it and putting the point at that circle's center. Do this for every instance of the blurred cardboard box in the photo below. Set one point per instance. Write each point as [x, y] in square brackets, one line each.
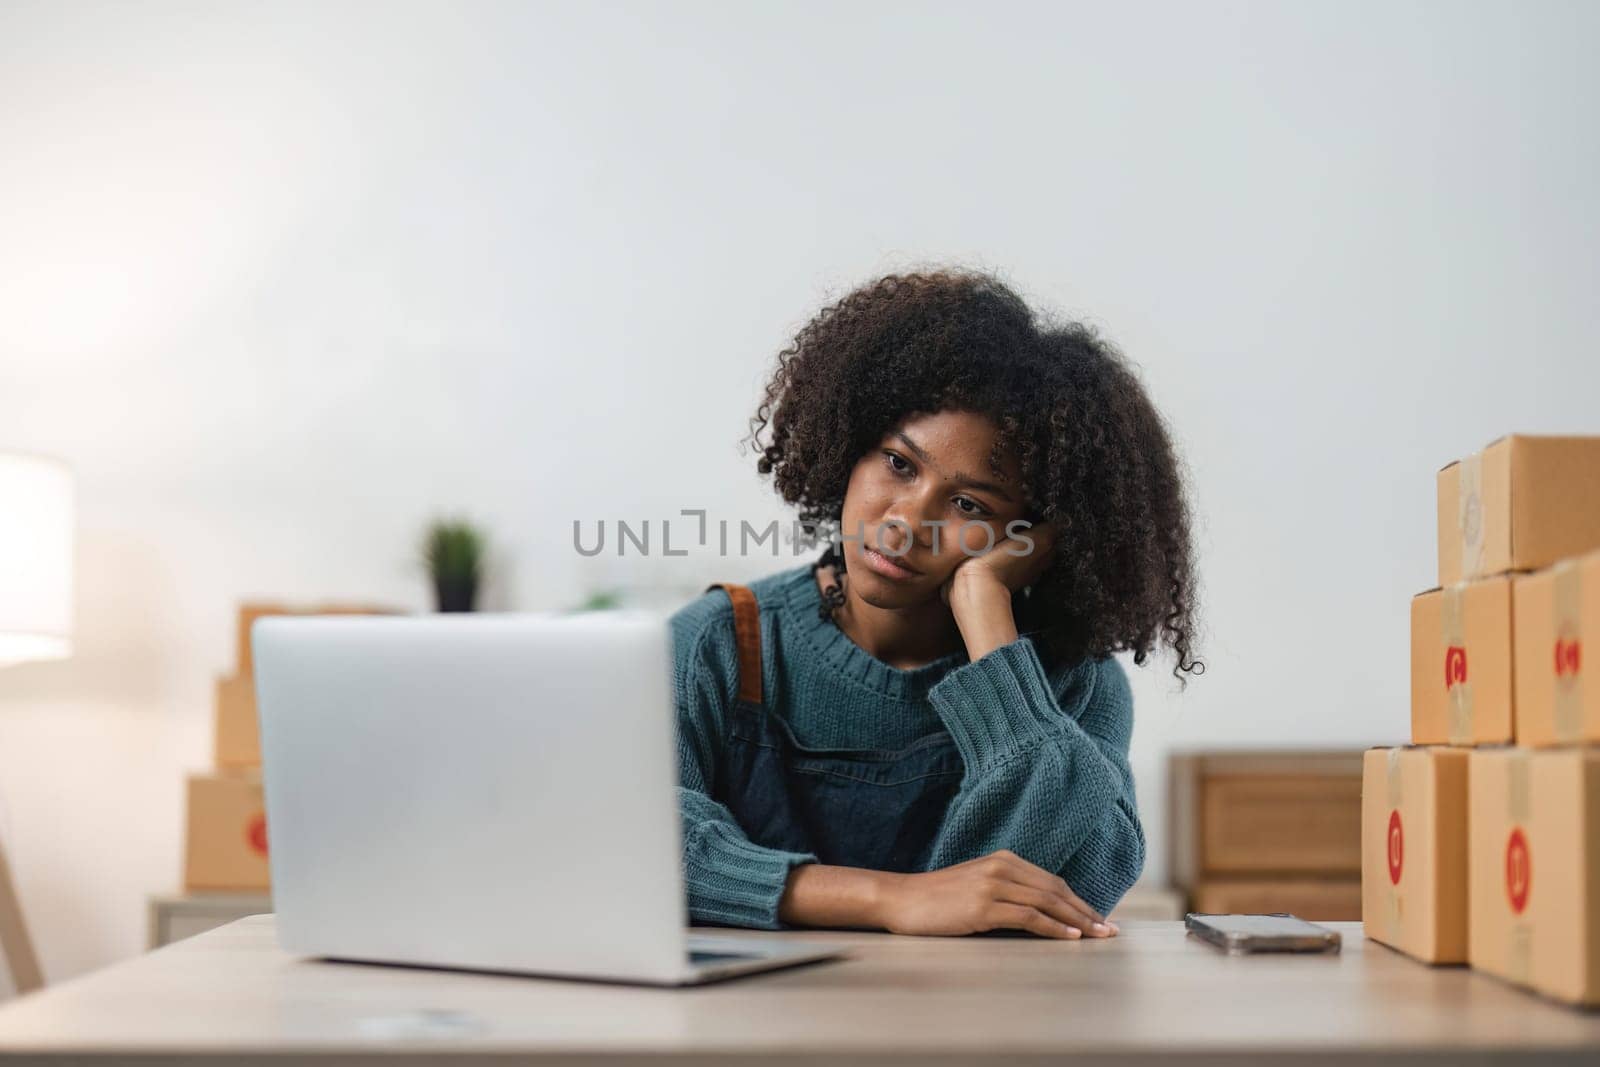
[1558, 702]
[250, 612]
[1534, 869]
[1414, 851]
[238, 735]
[1520, 504]
[227, 834]
[1461, 687]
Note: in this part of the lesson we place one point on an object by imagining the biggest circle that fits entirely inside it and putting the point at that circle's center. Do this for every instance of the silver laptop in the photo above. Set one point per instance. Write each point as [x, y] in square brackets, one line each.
[491, 792]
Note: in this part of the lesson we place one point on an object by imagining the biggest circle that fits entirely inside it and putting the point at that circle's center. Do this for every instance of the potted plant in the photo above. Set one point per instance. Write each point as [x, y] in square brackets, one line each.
[454, 552]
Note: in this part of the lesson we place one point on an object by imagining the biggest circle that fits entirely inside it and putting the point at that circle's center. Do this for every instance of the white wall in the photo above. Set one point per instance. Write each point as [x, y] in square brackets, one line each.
[283, 280]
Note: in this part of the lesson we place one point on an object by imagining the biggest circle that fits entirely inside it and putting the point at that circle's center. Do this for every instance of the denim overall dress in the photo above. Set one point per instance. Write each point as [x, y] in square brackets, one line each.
[874, 808]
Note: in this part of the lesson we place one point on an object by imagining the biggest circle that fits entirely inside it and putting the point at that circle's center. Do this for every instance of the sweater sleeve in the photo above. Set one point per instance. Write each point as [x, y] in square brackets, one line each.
[730, 880]
[1047, 772]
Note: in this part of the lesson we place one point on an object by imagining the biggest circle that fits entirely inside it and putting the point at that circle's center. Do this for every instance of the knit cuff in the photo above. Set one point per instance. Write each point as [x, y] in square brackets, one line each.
[998, 705]
[735, 882]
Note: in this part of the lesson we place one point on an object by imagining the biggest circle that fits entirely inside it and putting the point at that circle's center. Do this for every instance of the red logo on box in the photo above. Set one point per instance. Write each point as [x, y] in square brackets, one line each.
[1397, 847]
[255, 833]
[1455, 666]
[1519, 872]
[1569, 657]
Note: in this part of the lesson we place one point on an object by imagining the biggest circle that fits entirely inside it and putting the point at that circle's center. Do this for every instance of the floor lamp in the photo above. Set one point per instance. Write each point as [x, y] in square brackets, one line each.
[36, 522]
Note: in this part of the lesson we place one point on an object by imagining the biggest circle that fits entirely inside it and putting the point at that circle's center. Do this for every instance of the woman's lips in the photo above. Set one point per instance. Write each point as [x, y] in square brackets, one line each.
[886, 566]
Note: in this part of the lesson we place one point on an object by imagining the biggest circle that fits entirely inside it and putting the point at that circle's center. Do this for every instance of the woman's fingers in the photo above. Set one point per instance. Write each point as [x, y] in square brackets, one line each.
[1102, 924]
[1032, 874]
[1006, 916]
[1054, 907]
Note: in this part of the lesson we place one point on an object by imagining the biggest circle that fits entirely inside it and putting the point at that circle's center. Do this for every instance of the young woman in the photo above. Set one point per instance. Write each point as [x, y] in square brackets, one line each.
[923, 731]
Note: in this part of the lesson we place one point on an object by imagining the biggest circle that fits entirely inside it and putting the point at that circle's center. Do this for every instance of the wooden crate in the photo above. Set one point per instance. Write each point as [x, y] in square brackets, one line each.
[1279, 824]
[1320, 900]
[1266, 815]
[1261, 832]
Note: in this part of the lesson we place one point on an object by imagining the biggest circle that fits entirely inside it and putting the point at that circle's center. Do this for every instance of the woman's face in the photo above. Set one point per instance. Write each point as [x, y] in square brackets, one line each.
[923, 502]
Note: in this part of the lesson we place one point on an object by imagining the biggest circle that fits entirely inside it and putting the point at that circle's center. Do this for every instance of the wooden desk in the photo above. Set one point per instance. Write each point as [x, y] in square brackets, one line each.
[1152, 992]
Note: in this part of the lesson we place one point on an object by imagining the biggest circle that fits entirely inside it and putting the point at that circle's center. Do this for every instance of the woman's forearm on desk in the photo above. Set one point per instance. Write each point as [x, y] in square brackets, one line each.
[997, 891]
[818, 894]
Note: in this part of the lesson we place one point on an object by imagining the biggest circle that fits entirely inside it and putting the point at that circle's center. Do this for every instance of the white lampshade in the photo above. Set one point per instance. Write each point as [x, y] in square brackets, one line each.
[36, 523]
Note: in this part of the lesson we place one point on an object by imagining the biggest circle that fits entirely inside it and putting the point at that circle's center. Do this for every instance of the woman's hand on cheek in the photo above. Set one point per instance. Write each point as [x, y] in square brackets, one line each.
[979, 590]
[1012, 564]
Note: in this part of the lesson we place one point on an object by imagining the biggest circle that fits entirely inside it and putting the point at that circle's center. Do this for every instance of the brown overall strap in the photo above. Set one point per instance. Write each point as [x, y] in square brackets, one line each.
[747, 633]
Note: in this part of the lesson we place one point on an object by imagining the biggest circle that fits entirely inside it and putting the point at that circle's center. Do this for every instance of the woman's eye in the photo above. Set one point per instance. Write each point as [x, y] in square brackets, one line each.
[897, 463]
[970, 506]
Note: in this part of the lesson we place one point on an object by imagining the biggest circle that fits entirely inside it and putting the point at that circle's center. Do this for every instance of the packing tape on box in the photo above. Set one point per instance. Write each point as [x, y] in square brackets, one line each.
[1567, 618]
[1518, 802]
[1391, 899]
[1519, 962]
[1458, 694]
[1519, 806]
[1469, 513]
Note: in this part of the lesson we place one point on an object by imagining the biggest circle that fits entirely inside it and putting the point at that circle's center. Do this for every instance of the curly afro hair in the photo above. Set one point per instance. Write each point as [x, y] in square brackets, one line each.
[1095, 456]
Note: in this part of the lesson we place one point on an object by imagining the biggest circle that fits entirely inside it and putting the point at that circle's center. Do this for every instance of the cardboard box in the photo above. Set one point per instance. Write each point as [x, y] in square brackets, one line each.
[238, 734]
[250, 612]
[1521, 504]
[1558, 700]
[1414, 851]
[227, 837]
[1534, 869]
[1461, 669]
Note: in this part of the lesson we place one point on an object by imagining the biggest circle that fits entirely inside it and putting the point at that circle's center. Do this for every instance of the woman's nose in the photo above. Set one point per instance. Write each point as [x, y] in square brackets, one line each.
[910, 517]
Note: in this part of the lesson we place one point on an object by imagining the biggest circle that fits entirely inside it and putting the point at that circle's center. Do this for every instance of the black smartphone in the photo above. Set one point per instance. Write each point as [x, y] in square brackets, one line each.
[1278, 932]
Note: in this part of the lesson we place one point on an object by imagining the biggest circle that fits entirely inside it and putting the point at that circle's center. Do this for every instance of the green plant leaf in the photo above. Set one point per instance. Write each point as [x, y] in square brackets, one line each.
[454, 551]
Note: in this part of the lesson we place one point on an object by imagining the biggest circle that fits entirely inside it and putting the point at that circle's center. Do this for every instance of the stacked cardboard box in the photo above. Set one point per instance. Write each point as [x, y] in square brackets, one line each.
[1481, 841]
[1414, 851]
[227, 831]
[1534, 859]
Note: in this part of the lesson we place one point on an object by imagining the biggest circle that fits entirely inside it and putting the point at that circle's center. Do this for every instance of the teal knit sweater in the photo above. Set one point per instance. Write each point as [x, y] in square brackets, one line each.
[1045, 752]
